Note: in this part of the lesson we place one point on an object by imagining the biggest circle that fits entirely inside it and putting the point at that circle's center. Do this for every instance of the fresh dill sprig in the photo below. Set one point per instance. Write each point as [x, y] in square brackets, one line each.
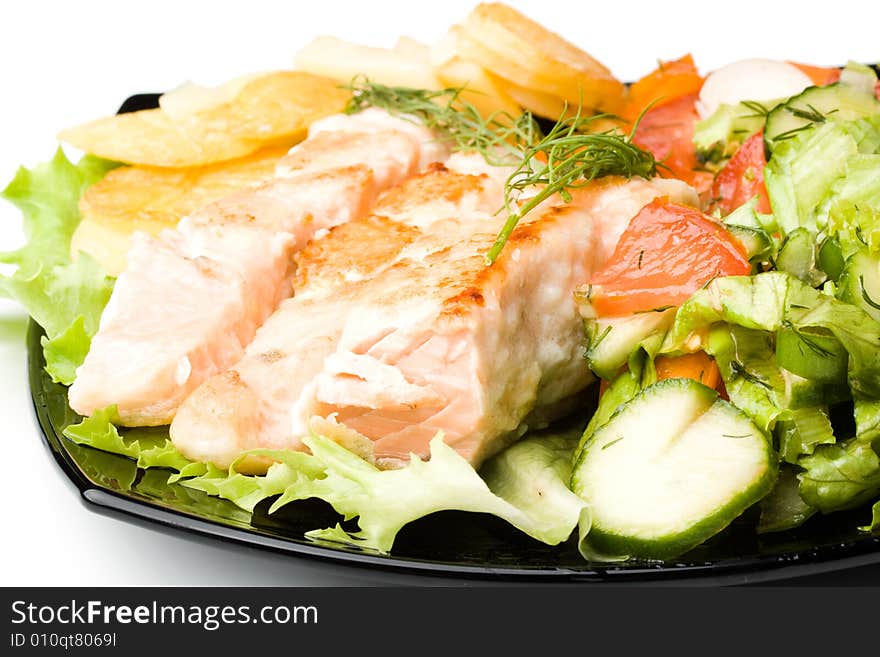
[568, 158]
[500, 138]
[759, 111]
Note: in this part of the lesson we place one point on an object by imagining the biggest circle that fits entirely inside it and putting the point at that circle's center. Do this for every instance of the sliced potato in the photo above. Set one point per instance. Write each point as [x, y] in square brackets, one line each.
[271, 109]
[518, 49]
[152, 199]
[480, 90]
[406, 65]
[537, 102]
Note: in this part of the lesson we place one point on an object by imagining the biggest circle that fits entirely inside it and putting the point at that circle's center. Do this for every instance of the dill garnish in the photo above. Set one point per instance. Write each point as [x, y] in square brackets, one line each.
[737, 369]
[759, 110]
[500, 138]
[807, 341]
[566, 158]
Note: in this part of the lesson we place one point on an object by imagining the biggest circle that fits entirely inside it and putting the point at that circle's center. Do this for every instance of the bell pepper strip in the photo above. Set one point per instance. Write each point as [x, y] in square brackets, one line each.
[698, 366]
[820, 75]
[667, 252]
[742, 178]
[671, 80]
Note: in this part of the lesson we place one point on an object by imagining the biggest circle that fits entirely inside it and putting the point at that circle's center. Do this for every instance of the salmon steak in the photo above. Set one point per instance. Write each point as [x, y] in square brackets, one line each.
[398, 330]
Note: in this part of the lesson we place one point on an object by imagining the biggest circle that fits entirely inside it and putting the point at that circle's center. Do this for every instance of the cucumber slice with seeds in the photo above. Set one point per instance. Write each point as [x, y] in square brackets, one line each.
[670, 469]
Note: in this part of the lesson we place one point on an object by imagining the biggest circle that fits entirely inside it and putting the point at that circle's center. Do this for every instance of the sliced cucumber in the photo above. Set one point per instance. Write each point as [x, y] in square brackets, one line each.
[840, 102]
[758, 244]
[831, 259]
[798, 256]
[860, 283]
[813, 353]
[613, 339]
[670, 469]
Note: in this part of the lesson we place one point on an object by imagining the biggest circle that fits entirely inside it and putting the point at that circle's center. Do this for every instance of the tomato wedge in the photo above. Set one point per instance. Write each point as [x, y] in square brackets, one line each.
[667, 252]
[667, 131]
[742, 178]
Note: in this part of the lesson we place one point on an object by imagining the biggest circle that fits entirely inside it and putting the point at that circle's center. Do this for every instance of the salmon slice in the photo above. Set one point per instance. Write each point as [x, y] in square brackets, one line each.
[191, 299]
[398, 330]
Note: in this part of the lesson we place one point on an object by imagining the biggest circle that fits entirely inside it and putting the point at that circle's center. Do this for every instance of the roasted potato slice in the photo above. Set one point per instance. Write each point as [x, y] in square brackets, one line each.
[152, 199]
[537, 102]
[270, 109]
[480, 89]
[516, 48]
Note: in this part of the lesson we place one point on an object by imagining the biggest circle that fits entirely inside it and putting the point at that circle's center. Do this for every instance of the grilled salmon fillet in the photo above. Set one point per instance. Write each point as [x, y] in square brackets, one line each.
[191, 299]
[398, 330]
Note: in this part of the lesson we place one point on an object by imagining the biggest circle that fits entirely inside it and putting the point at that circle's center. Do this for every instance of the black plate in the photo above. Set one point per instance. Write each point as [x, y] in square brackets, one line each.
[447, 543]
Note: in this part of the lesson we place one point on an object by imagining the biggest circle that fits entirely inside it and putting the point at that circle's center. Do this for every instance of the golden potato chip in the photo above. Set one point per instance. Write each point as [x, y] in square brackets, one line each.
[271, 109]
[518, 49]
[152, 199]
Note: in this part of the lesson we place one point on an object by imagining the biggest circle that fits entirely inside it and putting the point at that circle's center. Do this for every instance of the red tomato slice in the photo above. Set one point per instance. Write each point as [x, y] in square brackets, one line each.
[667, 131]
[668, 252]
[742, 178]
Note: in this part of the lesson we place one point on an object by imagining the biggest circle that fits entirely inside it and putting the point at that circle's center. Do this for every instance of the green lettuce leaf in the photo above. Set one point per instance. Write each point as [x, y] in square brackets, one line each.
[527, 485]
[875, 520]
[150, 447]
[840, 476]
[784, 508]
[846, 474]
[65, 297]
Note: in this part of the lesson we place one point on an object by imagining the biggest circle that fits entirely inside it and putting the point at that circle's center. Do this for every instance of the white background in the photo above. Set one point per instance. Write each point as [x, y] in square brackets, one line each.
[67, 62]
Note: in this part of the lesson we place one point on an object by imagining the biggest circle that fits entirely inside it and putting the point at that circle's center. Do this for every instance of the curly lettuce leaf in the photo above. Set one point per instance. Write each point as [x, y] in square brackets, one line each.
[65, 297]
[526, 485]
[847, 474]
[150, 447]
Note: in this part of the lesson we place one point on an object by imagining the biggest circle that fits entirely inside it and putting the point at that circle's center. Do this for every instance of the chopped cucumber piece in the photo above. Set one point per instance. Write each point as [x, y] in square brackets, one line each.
[816, 105]
[757, 242]
[612, 340]
[717, 136]
[831, 259]
[798, 256]
[802, 431]
[672, 468]
[860, 283]
[811, 352]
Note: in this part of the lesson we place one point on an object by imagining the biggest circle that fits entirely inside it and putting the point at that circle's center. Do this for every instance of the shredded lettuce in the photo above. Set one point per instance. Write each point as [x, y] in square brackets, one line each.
[64, 296]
